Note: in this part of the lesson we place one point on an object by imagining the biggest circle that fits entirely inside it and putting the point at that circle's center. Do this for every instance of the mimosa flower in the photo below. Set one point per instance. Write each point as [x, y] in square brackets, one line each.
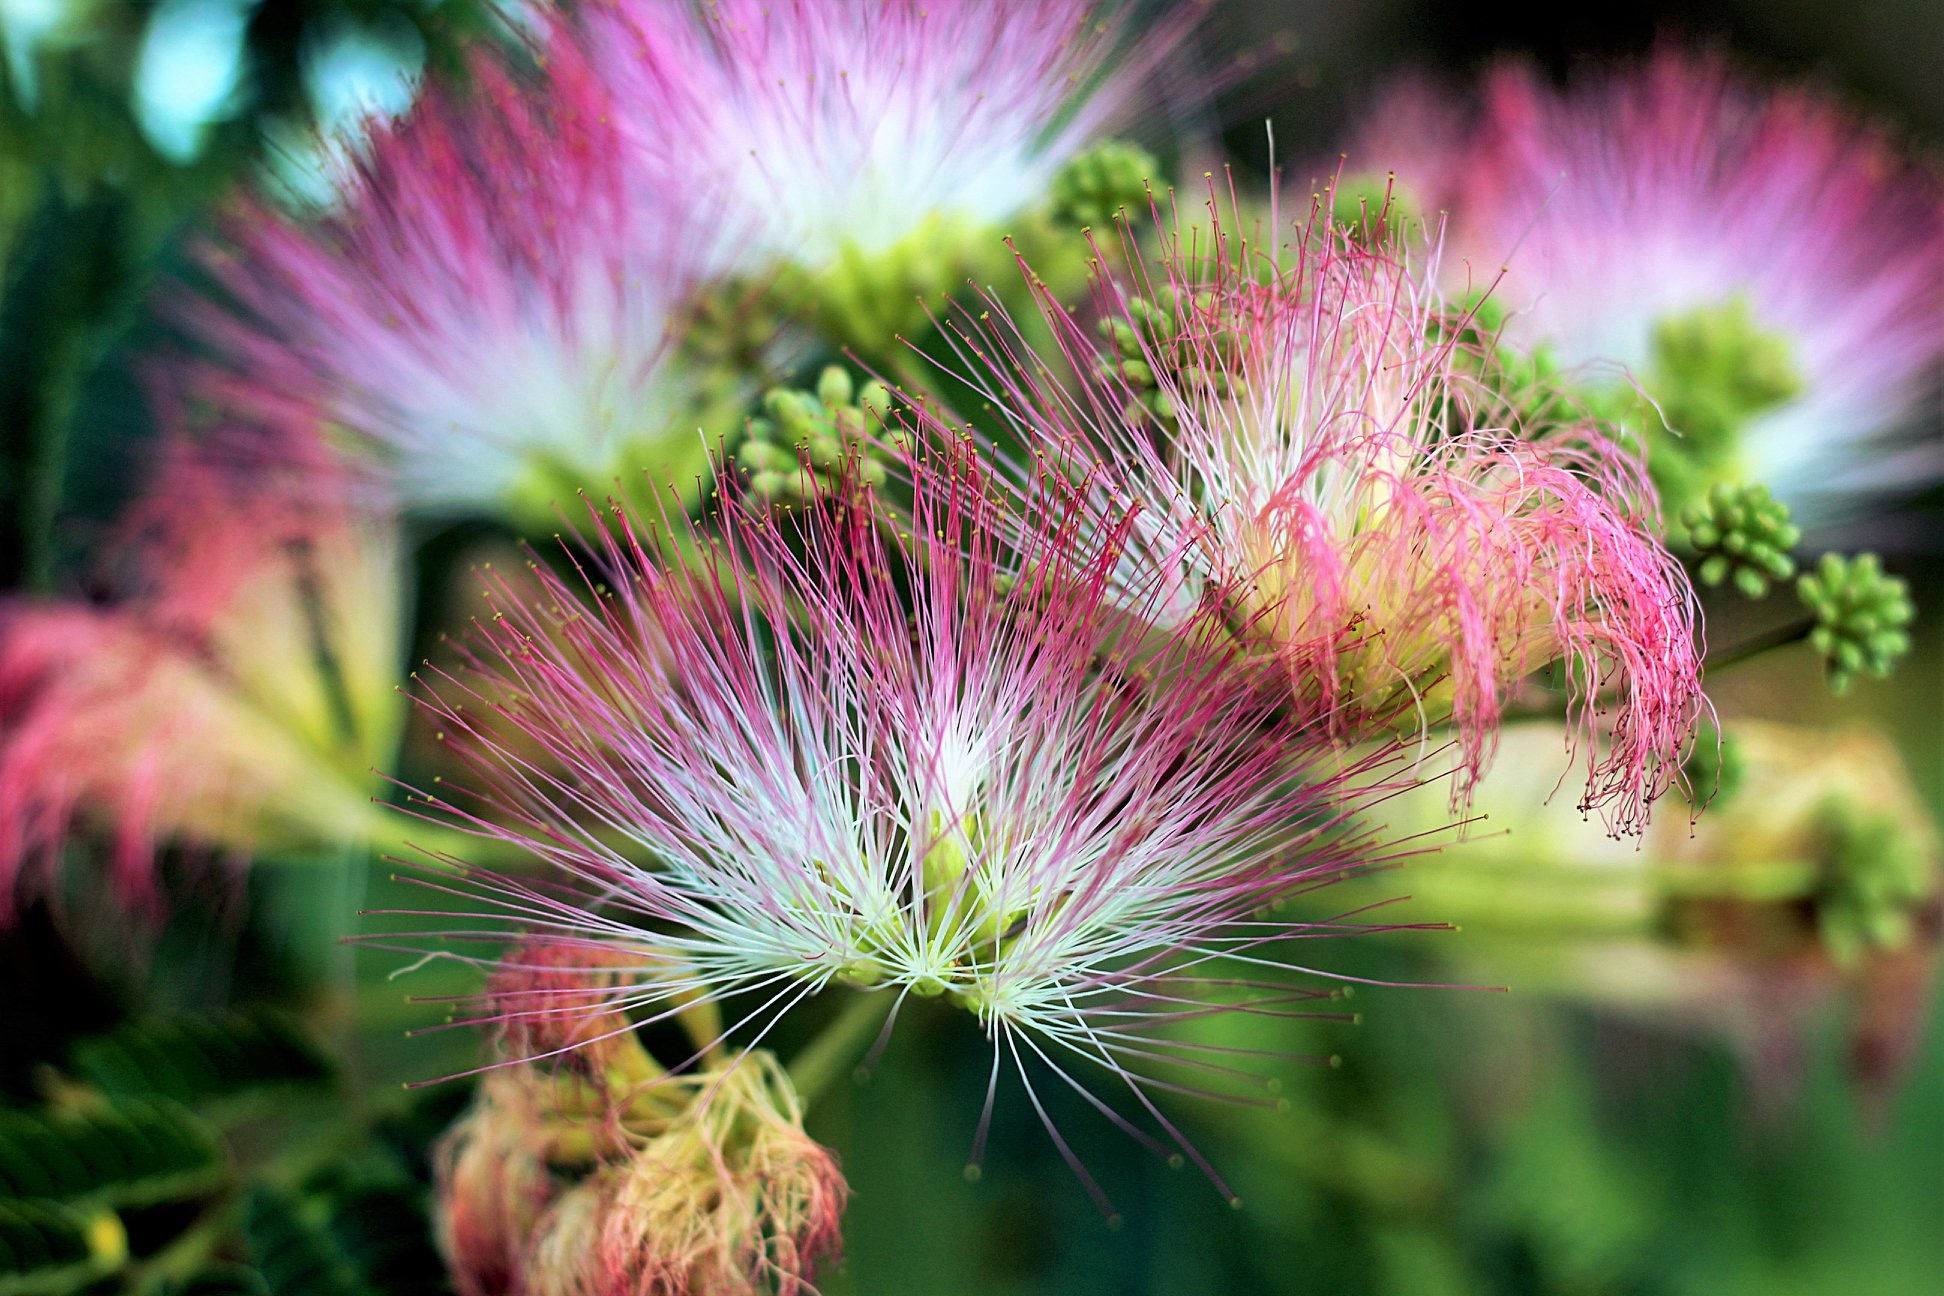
[489, 319]
[883, 147]
[237, 699]
[1308, 453]
[1764, 263]
[903, 758]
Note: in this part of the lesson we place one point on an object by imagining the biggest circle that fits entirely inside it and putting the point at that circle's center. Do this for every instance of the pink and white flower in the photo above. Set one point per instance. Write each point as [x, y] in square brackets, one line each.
[904, 757]
[1306, 453]
[488, 318]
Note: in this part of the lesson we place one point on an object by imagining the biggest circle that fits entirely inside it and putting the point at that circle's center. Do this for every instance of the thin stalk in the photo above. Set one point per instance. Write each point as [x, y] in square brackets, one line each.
[834, 1051]
[1749, 649]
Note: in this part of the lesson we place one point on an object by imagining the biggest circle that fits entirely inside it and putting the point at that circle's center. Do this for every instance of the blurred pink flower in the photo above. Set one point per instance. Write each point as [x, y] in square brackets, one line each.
[236, 698]
[829, 127]
[1635, 198]
[488, 318]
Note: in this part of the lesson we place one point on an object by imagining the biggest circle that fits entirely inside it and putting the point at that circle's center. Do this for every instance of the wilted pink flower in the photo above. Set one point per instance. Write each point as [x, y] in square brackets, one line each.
[856, 131]
[1639, 207]
[237, 698]
[730, 1198]
[609, 1174]
[487, 319]
[494, 1185]
[1302, 443]
[1004, 796]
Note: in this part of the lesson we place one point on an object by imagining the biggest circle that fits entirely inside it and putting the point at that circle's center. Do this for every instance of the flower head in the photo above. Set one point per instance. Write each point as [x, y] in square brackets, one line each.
[237, 697]
[897, 754]
[888, 143]
[730, 1197]
[488, 320]
[1310, 456]
[1764, 264]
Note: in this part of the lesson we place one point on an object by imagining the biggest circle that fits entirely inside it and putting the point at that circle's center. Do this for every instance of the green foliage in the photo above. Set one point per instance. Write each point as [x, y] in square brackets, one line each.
[1863, 617]
[218, 1280]
[114, 1153]
[49, 1248]
[1740, 532]
[195, 1059]
[293, 1248]
[1106, 181]
[806, 443]
[362, 1243]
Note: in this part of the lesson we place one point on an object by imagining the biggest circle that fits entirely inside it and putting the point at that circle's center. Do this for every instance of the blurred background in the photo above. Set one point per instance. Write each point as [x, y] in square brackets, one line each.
[1452, 1141]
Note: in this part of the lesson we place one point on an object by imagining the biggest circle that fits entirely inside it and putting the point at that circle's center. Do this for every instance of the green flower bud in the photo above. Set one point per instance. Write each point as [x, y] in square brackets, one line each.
[807, 443]
[1740, 532]
[834, 386]
[1863, 616]
[1100, 183]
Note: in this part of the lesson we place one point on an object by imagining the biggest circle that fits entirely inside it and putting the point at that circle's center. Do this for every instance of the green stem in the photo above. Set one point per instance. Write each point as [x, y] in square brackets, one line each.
[833, 1051]
[1749, 649]
[1506, 894]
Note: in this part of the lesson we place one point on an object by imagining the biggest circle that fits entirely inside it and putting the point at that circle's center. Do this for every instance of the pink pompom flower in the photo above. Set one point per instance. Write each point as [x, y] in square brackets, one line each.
[1762, 262]
[892, 752]
[1309, 454]
[882, 146]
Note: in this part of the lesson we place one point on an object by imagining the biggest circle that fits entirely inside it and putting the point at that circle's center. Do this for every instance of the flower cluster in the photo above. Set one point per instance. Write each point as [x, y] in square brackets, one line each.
[907, 753]
[1055, 671]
